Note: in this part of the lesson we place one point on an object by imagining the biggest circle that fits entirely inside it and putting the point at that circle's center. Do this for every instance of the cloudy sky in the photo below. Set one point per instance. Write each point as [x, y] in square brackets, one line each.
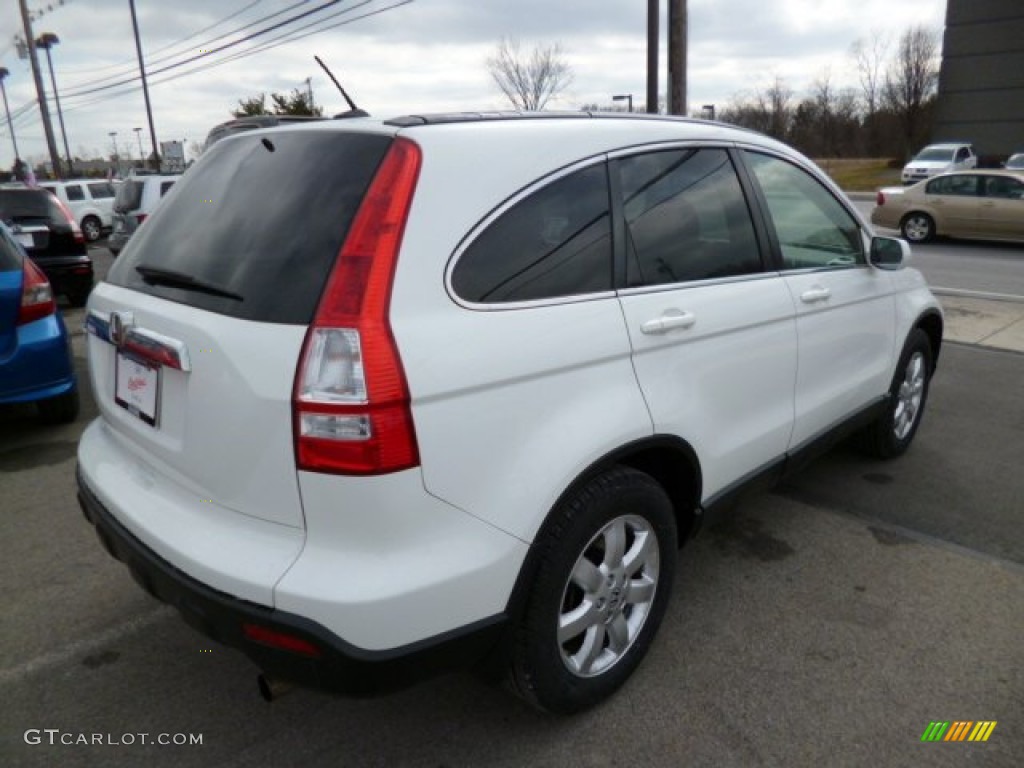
[410, 56]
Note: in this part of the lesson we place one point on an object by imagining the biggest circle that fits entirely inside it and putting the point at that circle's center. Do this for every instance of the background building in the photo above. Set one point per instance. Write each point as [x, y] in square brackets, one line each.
[981, 83]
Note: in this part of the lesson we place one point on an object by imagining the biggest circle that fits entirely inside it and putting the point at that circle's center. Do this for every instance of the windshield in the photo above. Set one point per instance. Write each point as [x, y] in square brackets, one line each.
[253, 229]
[935, 154]
[1016, 161]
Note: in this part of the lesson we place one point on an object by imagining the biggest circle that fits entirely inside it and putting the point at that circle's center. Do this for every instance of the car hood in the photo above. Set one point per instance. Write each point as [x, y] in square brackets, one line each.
[929, 164]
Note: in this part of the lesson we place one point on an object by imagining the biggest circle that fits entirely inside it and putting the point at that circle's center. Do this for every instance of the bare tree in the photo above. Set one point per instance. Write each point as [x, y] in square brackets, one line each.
[911, 80]
[870, 60]
[775, 102]
[529, 81]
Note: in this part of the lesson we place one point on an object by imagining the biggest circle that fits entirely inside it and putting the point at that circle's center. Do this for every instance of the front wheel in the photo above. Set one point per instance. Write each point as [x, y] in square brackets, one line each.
[917, 227]
[891, 434]
[606, 565]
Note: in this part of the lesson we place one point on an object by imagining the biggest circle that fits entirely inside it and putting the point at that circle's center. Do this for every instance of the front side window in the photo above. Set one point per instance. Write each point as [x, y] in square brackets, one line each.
[960, 185]
[165, 187]
[74, 192]
[101, 189]
[813, 228]
[555, 242]
[686, 218]
[1004, 188]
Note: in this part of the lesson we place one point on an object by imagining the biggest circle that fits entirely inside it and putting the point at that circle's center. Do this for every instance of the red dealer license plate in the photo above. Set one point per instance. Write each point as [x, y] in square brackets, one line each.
[137, 387]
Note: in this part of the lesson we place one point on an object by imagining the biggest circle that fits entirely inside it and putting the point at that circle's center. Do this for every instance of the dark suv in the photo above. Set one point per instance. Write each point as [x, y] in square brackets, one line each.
[51, 237]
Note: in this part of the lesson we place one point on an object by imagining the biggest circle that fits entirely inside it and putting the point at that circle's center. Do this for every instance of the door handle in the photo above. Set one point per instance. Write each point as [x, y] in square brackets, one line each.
[669, 320]
[817, 293]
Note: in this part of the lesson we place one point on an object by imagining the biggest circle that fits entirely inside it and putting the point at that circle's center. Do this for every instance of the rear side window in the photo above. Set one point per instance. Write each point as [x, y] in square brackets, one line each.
[963, 186]
[259, 217]
[555, 242]
[129, 196]
[686, 218]
[101, 189]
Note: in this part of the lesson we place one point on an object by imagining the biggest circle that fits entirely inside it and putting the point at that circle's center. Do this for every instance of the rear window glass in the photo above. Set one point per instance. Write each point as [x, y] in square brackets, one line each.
[261, 217]
[20, 205]
[10, 256]
[129, 196]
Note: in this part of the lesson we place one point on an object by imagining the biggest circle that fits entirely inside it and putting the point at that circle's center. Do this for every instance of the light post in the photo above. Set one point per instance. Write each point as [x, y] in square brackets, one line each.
[138, 135]
[46, 41]
[628, 97]
[4, 72]
[117, 157]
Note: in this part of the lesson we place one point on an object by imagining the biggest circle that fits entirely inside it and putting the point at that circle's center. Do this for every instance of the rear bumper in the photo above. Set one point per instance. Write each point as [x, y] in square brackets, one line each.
[324, 660]
[69, 277]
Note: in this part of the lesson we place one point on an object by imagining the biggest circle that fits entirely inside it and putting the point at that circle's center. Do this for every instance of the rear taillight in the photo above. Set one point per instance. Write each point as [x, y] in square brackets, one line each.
[351, 401]
[36, 295]
[76, 231]
[880, 198]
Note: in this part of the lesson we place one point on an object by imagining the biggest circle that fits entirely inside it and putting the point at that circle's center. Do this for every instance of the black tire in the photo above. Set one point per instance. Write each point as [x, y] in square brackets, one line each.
[917, 227]
[62, 409]
[621, 505]
[891, 434]
[92, 228]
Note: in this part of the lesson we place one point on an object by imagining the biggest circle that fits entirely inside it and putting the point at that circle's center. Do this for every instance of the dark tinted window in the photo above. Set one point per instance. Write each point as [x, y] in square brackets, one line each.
[686, 218]
[10, 255]
[815, 231]
[259, 216]
[1003, 187]
[555, 242]
[74, 192]
[962, 186]
[165, 187]
[129, 196]
[19, 205]
[101, 189]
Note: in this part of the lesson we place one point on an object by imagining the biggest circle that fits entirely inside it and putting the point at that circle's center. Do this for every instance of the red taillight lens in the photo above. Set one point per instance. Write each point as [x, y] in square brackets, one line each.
[76, 231]
[36, 295]
[351, 401]
[880, 198]
[281, 640]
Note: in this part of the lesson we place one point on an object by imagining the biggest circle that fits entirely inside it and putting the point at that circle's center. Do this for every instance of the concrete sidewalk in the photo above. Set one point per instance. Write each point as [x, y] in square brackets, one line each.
[982, 321]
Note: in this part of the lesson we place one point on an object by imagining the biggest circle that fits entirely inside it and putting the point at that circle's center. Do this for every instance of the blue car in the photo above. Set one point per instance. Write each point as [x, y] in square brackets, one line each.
[35, 349]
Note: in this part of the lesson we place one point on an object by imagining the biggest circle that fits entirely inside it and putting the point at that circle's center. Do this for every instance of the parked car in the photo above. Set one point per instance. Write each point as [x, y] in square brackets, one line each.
[939, 158]
[375, 413]
[91, 202]
[50, 235]
[35, 349]
[137, 198]
[977, 204]
[1015, 162]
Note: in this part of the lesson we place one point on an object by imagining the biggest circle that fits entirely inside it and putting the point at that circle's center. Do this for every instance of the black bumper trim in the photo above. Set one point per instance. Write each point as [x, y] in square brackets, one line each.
[341, 667]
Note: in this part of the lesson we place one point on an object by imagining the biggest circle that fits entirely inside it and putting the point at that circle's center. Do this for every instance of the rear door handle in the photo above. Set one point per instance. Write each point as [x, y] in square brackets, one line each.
[669, 320]
[817, 293]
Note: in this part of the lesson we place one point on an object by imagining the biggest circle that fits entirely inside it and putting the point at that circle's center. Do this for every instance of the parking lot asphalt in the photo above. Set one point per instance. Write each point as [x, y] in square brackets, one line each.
[828, 622]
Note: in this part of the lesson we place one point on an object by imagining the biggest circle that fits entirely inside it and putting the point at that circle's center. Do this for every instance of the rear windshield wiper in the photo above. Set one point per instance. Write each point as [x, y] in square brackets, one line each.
[168, 277]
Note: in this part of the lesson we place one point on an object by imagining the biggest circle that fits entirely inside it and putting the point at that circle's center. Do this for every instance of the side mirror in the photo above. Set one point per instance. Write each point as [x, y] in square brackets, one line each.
[889, 252]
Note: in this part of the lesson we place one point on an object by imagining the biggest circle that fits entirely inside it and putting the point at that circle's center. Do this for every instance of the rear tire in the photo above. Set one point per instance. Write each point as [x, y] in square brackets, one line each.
[92, 228]
[917, 227]
[606, 565]
[891, 434]
[62, 409]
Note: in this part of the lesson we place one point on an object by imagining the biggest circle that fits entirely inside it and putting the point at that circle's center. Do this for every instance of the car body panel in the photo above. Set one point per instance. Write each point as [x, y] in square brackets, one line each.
[939, 158]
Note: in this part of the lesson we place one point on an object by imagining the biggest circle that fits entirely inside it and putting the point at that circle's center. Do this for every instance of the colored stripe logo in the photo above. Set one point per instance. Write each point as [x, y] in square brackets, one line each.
[958, 730]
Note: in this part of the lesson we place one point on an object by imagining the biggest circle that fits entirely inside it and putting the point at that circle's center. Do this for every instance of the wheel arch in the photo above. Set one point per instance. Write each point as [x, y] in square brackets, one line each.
[932, 324]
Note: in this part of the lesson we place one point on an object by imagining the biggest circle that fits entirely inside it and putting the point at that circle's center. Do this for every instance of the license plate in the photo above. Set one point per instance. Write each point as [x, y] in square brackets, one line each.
[137, 387]
[26, 240]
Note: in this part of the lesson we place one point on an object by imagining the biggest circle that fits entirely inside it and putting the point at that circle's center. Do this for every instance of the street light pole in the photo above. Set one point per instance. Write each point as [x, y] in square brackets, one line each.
[30, 41]
[138, 135]
[4, 72]
[46, 41]
[117, 157]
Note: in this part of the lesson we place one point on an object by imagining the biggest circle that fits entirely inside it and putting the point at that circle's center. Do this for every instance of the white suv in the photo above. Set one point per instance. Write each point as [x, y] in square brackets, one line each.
[382, 398]
[91, 202]
[939, 158]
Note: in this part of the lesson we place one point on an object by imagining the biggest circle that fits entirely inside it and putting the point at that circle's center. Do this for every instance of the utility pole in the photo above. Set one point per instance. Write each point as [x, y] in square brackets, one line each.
[652, 56]
[46, 41]
[4, 72]
[30, 41]
[677, 34]
[145, 87]
[309, 91]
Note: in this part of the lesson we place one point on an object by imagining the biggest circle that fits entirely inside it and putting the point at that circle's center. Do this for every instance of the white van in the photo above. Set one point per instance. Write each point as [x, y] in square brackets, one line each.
[91, 202]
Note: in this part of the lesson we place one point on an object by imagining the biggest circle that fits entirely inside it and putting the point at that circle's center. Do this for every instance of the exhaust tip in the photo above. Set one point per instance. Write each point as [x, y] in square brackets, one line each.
[272, 689]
